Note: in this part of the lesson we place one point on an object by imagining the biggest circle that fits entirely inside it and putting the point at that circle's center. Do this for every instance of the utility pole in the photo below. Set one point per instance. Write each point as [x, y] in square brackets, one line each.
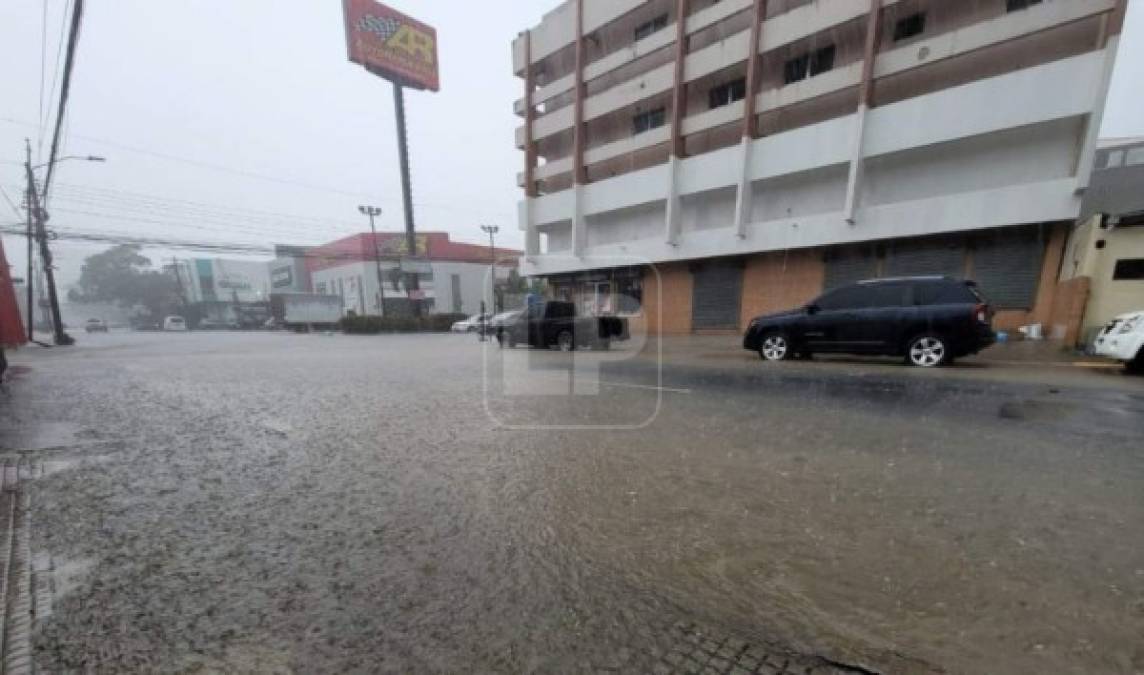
[491, 230]
[372, 212]
[31, 252]
[61, 338]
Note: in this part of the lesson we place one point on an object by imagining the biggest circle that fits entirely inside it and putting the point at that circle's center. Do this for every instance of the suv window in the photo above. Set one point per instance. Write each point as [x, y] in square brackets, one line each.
[847, 297]
[943, 294]
[884, 295]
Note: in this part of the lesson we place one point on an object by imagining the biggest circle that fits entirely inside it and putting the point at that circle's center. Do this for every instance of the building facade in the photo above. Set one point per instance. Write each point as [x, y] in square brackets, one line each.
[723, 158]
[453, 277]
[1105, 251]
[288, 273]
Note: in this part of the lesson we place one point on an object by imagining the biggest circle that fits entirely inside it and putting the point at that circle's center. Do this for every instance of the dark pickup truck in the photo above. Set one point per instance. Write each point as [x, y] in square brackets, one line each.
[555, 324]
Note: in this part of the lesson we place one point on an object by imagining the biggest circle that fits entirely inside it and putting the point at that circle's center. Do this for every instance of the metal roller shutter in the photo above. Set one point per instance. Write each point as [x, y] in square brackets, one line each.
[926, 258]
[849, 266]
[1007, 266]
[715, 297]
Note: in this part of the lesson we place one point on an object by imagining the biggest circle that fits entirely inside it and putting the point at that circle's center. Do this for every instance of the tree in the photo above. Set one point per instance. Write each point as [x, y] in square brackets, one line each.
[122, 275]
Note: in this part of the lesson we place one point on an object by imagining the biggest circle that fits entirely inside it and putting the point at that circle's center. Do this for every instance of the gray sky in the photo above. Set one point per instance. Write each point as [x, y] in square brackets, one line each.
[241, 89]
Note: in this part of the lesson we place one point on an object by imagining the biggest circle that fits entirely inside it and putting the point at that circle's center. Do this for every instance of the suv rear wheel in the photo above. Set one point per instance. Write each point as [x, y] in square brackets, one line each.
[928, 351]
[565, 342]
[775, 347]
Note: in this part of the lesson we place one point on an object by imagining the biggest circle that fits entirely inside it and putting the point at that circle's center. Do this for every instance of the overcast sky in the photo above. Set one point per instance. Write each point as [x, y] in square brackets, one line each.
[215, 114]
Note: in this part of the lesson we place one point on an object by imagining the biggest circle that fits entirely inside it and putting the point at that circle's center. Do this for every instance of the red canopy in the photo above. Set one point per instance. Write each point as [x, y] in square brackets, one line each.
[11, 325]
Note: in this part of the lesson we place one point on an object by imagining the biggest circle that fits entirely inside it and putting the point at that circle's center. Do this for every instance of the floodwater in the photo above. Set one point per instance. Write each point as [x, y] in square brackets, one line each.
[284, 503]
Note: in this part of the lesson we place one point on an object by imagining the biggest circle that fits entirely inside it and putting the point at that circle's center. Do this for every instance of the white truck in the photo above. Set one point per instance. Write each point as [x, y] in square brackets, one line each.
[305, 311]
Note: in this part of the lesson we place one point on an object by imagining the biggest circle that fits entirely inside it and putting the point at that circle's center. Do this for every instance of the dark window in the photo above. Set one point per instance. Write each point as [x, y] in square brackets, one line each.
[914, 24]
[822, 60]
[884, 295]
[809, 64]
[795, 69]
[725, 94]
[646, 121]
[645, 29]
[943, 294]
[1129, 269]
[849, 297]
[1014, 5]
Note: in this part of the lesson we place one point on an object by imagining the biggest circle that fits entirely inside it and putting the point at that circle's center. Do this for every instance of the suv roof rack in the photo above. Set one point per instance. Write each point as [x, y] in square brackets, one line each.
[932, 277]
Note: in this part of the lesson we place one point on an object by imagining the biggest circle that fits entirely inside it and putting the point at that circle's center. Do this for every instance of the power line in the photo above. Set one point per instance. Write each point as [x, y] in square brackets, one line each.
[10, 202]
[42, 123]
[65, 89]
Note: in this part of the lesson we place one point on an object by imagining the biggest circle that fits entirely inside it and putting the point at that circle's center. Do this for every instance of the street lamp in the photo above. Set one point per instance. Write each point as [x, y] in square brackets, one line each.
[491, 230]
[86, 158]
[372, 212]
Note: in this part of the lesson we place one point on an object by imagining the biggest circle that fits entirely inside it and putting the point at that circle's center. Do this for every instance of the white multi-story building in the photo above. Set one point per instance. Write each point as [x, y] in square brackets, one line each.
[732, 157]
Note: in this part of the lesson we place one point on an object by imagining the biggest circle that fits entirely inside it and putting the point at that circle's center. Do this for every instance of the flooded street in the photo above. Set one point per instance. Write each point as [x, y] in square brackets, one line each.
[282, 503]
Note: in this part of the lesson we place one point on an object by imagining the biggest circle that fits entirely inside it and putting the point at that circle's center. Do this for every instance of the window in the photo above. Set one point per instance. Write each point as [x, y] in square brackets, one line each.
[646, 121]
[1129, 269]
[809, 65]
[645, 29]
[884, 295]
[1014, 5]
[321, 288]
[1113, 159]
[908, 27]
[725, 94]
[943, 294]
[1135, 157]
[848, 297]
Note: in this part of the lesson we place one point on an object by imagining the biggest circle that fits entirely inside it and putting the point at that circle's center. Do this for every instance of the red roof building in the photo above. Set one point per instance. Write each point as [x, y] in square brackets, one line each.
[434, 246]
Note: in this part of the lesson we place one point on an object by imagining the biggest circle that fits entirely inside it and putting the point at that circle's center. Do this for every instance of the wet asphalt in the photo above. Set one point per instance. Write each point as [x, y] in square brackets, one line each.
[311, 503]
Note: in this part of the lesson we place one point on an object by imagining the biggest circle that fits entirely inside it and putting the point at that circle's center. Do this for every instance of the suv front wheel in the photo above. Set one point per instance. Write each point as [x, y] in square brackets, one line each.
[928, 351]
[775, 347]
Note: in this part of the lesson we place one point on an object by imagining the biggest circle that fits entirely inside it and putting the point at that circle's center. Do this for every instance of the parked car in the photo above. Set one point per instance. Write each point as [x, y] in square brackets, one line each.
[928, 320]
[1123, 339]
[95, 326]
[174, 324]
[471, 324]
[555, 324]
[495, 325]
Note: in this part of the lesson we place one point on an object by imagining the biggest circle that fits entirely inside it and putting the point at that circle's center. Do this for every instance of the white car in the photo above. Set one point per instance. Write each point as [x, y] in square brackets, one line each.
[469, 325]
[175, 324]
[1123, 339]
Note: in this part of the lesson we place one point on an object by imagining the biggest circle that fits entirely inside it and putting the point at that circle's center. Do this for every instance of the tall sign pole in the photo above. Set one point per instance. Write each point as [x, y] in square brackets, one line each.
[401, 49]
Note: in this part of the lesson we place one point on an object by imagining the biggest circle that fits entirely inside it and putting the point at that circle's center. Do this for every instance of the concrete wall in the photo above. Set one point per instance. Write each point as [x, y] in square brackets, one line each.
[1107, 297]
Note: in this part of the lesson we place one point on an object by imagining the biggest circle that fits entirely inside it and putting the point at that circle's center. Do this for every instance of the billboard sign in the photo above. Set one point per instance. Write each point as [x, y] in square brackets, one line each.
[392, 45]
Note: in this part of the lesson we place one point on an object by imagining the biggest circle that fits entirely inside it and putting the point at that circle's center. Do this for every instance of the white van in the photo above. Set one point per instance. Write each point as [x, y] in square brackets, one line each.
[175, 323]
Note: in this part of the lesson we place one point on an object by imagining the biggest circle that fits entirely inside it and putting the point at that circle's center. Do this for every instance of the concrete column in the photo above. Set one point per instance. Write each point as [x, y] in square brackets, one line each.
[865, 100]
[672, 220]
[744, 192]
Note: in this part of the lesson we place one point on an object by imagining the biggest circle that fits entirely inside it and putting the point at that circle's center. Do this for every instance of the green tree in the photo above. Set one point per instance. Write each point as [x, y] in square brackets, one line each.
[121, 274]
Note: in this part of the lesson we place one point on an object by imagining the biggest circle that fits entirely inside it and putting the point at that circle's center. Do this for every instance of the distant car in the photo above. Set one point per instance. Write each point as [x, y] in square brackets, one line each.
[95, 326]
[496, 324]
[928, 320]
[471, 324]
[1123, 339]
[175, 324]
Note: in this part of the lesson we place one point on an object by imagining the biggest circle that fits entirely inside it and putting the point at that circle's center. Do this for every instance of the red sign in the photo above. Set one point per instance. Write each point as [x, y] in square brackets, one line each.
[392, 45]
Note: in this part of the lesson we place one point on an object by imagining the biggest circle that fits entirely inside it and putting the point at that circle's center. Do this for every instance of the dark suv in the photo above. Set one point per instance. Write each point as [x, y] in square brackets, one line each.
[928, 320]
